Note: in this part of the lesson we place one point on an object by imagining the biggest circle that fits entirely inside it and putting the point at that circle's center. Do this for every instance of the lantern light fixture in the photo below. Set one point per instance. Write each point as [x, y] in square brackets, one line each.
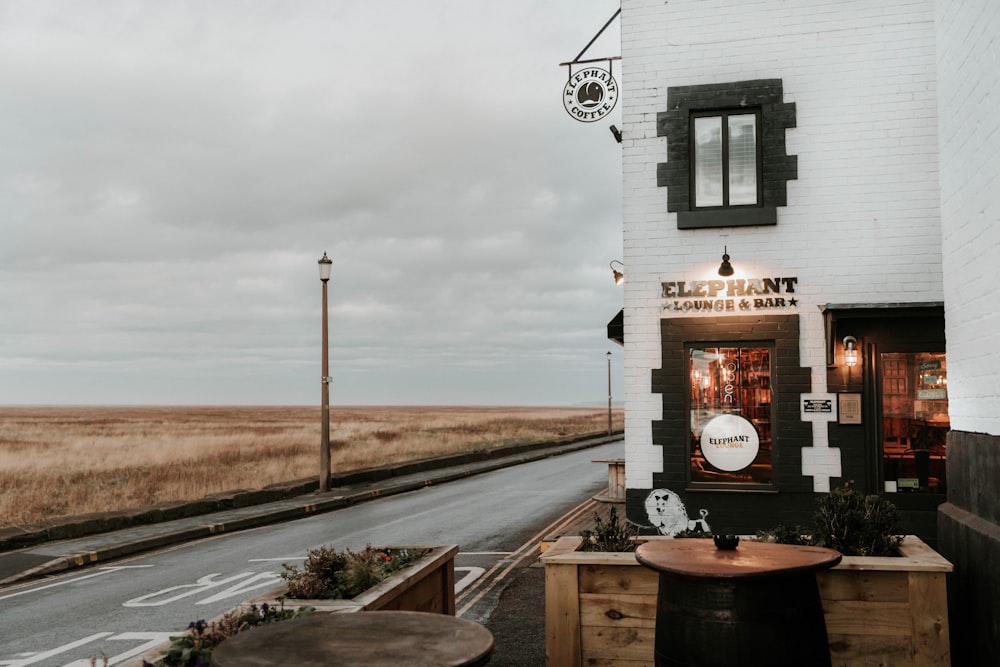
[619, 275]
[325, 267]
[850, 351]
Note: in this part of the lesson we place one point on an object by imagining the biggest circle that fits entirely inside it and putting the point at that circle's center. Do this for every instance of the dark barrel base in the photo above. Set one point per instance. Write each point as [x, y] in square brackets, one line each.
[775, 621]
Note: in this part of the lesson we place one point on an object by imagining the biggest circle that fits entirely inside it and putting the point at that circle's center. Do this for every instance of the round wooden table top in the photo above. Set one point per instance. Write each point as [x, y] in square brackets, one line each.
[700, 558]
[363, 639]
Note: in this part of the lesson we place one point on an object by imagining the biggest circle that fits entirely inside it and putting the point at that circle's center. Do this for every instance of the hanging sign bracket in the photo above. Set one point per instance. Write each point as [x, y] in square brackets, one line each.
[577, 61]
[591, 94]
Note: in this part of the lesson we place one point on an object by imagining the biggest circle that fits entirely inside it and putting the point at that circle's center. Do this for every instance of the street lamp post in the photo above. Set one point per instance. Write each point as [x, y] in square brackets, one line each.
[325, 266]
[609, 393]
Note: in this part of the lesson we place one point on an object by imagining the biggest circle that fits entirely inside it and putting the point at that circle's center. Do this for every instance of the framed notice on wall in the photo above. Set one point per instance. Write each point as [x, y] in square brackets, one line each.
[849, 408]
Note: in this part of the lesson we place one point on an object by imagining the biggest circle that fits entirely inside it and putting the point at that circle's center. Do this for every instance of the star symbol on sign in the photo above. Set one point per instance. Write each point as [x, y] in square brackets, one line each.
[793, 302]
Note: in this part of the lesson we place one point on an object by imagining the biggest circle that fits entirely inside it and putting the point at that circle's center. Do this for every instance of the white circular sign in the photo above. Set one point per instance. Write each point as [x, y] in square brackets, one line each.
[729, 442]
[591, 94]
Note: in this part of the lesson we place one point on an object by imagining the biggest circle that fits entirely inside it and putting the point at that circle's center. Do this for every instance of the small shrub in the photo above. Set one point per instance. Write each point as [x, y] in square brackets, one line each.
[781, 534]
[195, 648]
[331, 575]
[322, 575]
[850, 522]
[857, 525]
[610, 535]
[692, 533]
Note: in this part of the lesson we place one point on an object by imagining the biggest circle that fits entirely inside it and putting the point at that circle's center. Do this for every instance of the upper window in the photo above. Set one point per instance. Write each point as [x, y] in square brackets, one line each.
[726, 164]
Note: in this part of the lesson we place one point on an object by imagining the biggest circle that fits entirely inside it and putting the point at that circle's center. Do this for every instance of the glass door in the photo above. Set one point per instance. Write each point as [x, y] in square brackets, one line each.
[914, 421]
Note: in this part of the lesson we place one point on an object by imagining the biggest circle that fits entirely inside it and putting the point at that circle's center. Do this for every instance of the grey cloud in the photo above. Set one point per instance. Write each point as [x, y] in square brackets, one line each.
[173, 170]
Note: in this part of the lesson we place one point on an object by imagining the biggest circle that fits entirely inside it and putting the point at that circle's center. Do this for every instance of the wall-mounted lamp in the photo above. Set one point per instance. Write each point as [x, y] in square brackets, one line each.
[725, 269]
[619, 276]
[850, 351]
[617, 133]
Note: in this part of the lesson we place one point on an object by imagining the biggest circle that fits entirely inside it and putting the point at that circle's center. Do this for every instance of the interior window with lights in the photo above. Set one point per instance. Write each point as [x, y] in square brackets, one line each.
[730, 409]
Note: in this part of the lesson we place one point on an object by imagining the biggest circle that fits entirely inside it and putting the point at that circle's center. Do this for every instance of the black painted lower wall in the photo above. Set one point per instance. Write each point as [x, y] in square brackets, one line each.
[739, 512]
[969, 536]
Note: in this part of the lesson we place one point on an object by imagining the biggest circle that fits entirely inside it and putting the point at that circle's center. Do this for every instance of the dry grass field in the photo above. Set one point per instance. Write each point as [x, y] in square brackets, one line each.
[62, 461]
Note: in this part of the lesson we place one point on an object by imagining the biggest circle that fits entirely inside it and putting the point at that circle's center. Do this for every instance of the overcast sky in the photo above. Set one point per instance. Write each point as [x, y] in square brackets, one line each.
[170, 173]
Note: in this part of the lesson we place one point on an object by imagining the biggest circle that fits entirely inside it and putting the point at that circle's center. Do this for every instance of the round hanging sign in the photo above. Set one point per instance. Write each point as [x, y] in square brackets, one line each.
[729, 442]
[591, 94]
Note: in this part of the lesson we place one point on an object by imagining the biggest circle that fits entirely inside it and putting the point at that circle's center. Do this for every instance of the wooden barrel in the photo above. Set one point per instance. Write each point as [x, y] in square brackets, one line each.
[756, 604]
[774, 620]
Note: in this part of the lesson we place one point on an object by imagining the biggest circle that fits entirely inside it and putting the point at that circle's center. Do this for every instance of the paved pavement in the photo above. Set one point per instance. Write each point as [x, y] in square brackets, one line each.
[517, 622]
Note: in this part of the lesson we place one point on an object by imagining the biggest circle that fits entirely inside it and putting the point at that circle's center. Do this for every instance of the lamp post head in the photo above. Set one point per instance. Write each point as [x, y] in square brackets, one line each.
[325, 266]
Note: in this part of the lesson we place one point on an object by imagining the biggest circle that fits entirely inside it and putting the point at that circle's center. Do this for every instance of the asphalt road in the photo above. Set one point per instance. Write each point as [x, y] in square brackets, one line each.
[122, 608]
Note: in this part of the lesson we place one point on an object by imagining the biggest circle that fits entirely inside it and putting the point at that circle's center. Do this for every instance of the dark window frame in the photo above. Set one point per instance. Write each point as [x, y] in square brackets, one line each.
[776, 168]
[788, 380]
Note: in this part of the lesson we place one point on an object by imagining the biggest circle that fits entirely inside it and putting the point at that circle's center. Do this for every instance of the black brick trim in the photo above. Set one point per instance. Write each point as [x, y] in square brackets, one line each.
[792, 499]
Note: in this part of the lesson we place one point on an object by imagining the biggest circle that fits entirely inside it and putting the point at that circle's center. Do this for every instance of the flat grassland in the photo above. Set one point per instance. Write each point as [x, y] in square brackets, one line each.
[64, 461]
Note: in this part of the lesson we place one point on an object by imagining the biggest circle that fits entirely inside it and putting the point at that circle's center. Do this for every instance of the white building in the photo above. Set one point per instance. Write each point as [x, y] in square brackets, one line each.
[843, 155]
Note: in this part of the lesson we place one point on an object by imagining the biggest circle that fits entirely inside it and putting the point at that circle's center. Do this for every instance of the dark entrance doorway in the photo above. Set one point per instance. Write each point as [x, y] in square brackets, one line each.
[899, 448]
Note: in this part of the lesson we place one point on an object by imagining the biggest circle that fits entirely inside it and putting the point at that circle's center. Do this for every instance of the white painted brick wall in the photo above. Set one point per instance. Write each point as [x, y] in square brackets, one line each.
[968, 61]
[862, 223]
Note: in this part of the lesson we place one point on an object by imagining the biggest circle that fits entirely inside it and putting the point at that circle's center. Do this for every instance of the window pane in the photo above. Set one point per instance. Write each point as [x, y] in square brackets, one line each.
[730, 414]
[742, 159]
[915, 421]
[708, 161]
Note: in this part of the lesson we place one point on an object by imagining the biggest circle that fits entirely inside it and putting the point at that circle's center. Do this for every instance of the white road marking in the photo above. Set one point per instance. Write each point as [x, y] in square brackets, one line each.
[485, 553]
[102, 571]
[152, 640]
[265, 579]
[473, 574]
[203, 584]
[38, 657]
[248, 581]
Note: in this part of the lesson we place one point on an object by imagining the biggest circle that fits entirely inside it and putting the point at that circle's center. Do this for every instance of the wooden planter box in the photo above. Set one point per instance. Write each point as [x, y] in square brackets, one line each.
[600, 608]
[427, 585]
[888, 611]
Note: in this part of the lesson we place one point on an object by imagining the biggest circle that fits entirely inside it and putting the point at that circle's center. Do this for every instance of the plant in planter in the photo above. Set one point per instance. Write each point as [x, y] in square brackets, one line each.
[850, 522]
[331, 575]
[857, 525]
[782, 534]
[195, 648]
[610, 535]
[396, 578]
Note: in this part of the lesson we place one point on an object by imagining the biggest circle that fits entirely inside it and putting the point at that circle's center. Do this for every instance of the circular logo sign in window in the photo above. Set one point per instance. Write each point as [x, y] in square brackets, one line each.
[591, 94]
[729, 442]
